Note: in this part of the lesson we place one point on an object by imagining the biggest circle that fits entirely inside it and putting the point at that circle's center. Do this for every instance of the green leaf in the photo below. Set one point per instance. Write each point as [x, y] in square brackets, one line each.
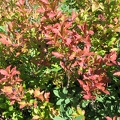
[70, 111]
[97, 119]
[67, 101]
[62, 108]
[4, 105]
[65, 91]
[100, 99]
[36, 110]
[2, 29]
[55, 68]
[1, 99]
[85, 103]
[58, 118]
[56, 93]
[10, 108]
[59, 101]
[79, 117]
[95, 6]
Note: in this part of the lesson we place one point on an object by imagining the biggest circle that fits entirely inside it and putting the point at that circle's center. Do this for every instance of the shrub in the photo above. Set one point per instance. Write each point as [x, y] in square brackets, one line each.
[58, 63]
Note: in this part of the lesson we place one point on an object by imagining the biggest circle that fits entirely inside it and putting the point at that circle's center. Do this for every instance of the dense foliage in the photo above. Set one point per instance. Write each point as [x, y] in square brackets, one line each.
[59, 59]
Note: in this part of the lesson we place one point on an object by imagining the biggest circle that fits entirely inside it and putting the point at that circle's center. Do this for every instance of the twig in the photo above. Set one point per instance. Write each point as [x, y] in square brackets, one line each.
[27, 4]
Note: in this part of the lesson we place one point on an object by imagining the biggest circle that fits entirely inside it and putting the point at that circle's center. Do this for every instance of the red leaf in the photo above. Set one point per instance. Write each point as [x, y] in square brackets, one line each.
[40, 10]
[14, 71]
[51, 14]
[8, 68]
[12, 102]
[6, 41]
[106, 92]
[108, 118]
[101, 17]
[36, 92]
[90, 32]
[114, 118]
[50, 42]
[7, 90]
[36, 117]
[118, 63]
[87, 40]
[45, 2]
[20, 2]
[68, 41]
[117, 73]
[63, 65]
[87, 97]
[113, 56]
[22, 104]
[81, 82]
[72, 56]
[47, 96]
[59, 14]
[35, 104]
[57, 55]
[4, 72]
[86, 51]
[67, 25]
[74, 15]
[39, 94]
[83, 28]
[56, 31]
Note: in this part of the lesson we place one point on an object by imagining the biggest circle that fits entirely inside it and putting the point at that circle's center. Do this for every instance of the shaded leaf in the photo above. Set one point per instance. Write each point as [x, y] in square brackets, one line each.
[58, 118]
[80, 117]
[56, 93]
[59, 101]
[65, 91]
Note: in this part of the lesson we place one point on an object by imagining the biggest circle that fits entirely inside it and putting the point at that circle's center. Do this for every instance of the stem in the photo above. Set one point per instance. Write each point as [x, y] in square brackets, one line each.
[68, 82]
[27, 4]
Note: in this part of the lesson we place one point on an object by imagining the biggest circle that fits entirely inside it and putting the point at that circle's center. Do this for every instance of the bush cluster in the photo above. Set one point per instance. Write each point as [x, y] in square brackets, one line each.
[59, 59]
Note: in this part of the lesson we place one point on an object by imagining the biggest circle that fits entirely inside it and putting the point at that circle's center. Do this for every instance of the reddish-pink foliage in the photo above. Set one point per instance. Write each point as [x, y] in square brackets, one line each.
[60, 35]
[11, 84]
[14, 93]
[114, 118]
[10, 76]
[5, 40]
[72, 48]
[117, 73]
[43, 96]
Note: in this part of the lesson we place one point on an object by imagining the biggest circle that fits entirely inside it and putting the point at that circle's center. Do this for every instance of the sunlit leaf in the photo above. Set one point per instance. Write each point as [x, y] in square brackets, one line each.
[117, 73]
